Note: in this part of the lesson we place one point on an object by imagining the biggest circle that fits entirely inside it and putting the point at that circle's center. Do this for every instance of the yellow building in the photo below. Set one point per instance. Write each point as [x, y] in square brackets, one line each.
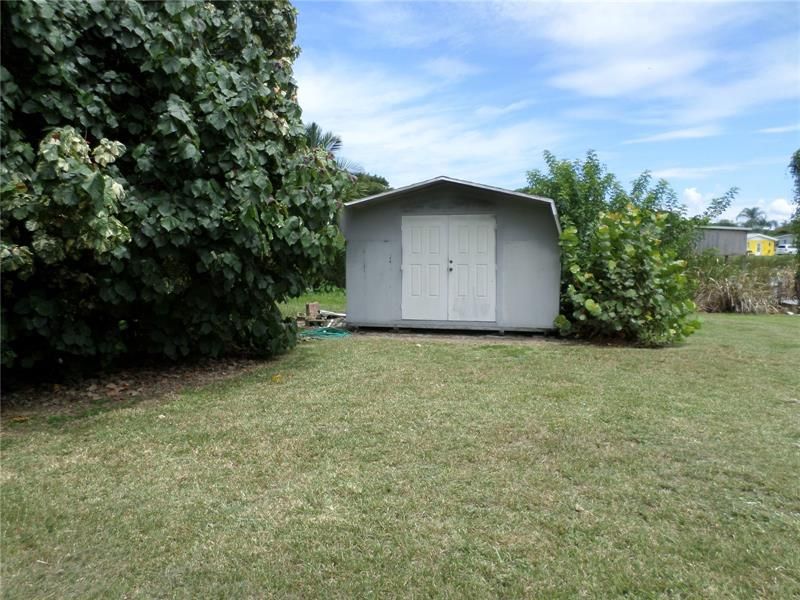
[759, 244]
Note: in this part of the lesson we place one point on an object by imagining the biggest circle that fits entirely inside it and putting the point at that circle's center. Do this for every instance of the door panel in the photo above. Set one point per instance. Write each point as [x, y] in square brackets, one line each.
[472, 257]
[424, 268]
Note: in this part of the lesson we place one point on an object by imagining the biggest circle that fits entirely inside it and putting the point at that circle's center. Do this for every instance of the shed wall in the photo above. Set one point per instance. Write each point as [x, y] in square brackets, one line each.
[527, 256]
[725, 241]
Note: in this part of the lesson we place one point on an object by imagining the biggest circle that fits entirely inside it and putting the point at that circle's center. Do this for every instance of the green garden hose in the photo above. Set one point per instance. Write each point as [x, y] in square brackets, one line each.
[319, 333]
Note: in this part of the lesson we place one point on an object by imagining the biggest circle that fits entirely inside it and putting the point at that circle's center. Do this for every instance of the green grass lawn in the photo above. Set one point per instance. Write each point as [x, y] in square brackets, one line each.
[417, 467]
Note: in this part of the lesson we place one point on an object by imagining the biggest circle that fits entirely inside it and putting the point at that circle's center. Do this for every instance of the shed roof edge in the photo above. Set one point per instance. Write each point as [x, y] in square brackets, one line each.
[725, 227]
[443, 178]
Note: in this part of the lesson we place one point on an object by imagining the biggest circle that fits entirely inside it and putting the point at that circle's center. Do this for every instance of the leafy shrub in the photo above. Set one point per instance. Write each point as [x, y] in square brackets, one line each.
[224, 212]
[625, 286]
[597, 215]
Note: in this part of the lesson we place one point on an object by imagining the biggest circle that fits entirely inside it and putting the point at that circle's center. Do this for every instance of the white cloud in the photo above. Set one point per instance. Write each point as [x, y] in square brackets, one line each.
[630, 74]
[783, 129]
[696, 202]
[497, 111]
[692, 172]
[450, 69]
[677, 63]
[620, 26]
[678, 134]
[702, 172]
[405, 127]
[780, 210]
[694, 199]
[665, 71]
[398, 25]
[763, 74]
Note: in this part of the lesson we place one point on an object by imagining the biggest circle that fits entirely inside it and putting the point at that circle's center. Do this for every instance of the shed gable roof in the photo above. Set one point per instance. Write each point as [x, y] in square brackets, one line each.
[459, 183]
[761, 236]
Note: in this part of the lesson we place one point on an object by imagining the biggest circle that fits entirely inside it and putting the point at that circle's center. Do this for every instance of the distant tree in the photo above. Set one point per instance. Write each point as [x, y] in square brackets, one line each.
[583, 189]
[367, 184]
[317, 138]
[794, 169]
[327, 140]
[755, 218]
[724, 223]
[751, 215]
[794, 224]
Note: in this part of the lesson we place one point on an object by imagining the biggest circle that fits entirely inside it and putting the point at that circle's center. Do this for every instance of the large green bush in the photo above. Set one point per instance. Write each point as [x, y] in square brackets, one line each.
[624, 252]
[224, 210]
[625, 285]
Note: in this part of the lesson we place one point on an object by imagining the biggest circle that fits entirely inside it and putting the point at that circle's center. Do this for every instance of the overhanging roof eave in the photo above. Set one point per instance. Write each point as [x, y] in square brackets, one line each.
[469, 184]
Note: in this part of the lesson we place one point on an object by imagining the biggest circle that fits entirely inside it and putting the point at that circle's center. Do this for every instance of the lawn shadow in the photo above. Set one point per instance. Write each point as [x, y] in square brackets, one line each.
[53, 406]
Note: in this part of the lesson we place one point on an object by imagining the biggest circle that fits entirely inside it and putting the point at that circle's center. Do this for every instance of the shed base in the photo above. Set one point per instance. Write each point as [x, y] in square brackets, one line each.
[448, 325]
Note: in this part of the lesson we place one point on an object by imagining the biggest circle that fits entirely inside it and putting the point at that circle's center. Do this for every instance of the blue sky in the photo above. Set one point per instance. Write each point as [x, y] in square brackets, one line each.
[706, 95]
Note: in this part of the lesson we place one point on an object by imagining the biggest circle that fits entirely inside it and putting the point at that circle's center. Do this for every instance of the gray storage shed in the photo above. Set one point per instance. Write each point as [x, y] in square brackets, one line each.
[450, 254]
[727, 241]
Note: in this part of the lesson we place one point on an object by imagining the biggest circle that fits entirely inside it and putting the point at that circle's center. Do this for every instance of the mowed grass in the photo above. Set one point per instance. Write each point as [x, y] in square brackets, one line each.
[376, 466]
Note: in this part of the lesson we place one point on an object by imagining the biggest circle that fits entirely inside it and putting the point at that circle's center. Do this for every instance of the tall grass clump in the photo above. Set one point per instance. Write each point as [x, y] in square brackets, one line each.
[745, 284]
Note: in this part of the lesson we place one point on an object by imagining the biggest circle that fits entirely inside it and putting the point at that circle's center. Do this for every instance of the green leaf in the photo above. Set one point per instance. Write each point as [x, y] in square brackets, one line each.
[593, 307]
[189, 151]
[95, 186]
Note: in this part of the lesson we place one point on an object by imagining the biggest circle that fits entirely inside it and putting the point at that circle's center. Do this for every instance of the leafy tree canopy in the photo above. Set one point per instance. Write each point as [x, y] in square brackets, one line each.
[794, 225]
[755, 218]
[172, 200]
[366, 184]
[583, 189]
[331, 142]
[327, 140]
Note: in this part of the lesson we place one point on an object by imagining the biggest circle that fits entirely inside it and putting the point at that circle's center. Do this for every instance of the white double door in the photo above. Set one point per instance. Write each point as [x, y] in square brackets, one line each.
[449, 268]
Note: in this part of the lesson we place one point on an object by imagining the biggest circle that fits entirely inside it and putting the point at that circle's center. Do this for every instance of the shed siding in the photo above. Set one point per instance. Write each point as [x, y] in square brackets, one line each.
[527, 257]
[726, 242]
